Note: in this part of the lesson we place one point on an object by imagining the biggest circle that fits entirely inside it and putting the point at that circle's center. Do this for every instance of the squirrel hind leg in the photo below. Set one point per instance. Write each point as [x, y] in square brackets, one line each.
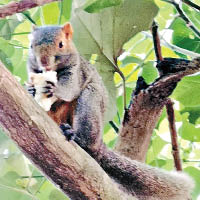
[67, 131]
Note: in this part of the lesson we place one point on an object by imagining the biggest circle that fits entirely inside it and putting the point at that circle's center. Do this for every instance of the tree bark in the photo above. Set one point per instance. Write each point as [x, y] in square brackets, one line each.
[65, 163]
[17, 7]
[146, 107]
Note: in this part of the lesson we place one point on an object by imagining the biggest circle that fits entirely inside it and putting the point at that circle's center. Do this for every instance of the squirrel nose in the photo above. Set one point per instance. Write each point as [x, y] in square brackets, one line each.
[44, 61]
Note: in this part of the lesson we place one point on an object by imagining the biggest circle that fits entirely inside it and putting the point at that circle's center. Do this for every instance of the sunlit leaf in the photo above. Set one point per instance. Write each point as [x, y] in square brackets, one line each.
[105, 33]
[188, 91]
[7, 27]
[195, 174]
[149, 72]
[184, 37]
[93, 6]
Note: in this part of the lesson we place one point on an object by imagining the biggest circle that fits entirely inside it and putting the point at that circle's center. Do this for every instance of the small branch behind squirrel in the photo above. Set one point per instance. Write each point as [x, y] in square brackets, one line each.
[169, 104]
[172, 127]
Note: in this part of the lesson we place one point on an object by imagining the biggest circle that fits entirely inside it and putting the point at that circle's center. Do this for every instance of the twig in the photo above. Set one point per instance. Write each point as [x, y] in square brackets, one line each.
[198, 161]
[169, 104]
[156, 41]
[174, 47]
[17, 7]
[114, 126]
[23, 177]
[123, 80]
[172, 127]
[184, 17]
[191, 4]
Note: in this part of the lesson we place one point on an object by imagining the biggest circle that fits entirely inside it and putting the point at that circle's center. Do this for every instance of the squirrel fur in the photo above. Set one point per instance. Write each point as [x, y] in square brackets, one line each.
[81, 103]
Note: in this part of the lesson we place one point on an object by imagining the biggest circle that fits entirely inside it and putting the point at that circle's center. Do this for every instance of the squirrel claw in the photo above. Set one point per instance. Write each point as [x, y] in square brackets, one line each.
[67, 131]
[31, 90]
[49, 89]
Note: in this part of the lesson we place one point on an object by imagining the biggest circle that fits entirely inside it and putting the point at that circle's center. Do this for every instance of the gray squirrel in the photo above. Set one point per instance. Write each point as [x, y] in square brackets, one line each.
[79, 110]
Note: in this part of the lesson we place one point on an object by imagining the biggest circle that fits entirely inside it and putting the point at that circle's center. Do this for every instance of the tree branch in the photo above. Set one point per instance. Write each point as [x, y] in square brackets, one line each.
[191, 4]
[17, 7]
[184, 17]
[74, 171]
[174, 47]
[146, 107]
[169, 104]
[156, 41]
[65, 163]
[174, 138]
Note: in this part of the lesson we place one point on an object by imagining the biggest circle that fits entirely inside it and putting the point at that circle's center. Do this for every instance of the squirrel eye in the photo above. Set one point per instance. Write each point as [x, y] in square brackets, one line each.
[60, 45]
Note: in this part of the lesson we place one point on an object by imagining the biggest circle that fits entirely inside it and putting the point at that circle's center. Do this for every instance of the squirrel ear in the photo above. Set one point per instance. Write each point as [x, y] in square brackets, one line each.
[34, 27]
[68, 30]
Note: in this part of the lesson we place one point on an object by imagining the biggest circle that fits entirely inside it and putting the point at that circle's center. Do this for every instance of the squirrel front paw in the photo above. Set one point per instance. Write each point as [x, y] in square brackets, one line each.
[49, 89]
[67, 131]
[31, 89]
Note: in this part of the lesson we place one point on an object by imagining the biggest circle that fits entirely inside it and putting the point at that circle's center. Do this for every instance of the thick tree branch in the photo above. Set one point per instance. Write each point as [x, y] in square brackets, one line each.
[65, 163]
[146, 107]
[77, 174]
[17, 7]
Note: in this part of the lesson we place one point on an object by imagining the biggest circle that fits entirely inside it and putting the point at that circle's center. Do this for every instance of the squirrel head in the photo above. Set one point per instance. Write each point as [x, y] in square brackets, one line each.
[49, 43]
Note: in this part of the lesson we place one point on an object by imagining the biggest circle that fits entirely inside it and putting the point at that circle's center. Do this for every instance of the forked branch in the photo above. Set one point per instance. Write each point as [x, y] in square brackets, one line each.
[169, 104]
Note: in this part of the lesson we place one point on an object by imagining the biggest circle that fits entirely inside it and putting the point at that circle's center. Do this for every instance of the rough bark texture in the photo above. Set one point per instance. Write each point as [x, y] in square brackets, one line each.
[137, 128]
[16, 7]
[65, 163]
[73, 170]
[145, 107]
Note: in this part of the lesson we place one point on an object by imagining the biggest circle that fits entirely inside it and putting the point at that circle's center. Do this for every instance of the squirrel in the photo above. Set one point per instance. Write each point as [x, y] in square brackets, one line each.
[80, 109]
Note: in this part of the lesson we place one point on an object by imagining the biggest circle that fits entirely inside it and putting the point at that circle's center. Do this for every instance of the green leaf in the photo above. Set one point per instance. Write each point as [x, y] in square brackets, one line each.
[28, 16]
[3, 138]
[188, 131]
[106, 32]
[6, 60]
[112, 143]
[130, 59]
[92, 6]
[188, 91]
[9, 179]
[158, 163]
[7, 27]
[157, 145]
[162, 117]
[184, 37]
[66, 6]
[11, 194]
[149, 72]
[11, 54]
[194, 113]
[193, 15]
[195, 174]
[54, 10]
[165, 14]
[48, 192]
[57, 195]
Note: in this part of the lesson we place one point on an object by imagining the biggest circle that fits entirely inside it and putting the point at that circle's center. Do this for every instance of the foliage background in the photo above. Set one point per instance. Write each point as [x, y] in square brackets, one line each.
[101, 28]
